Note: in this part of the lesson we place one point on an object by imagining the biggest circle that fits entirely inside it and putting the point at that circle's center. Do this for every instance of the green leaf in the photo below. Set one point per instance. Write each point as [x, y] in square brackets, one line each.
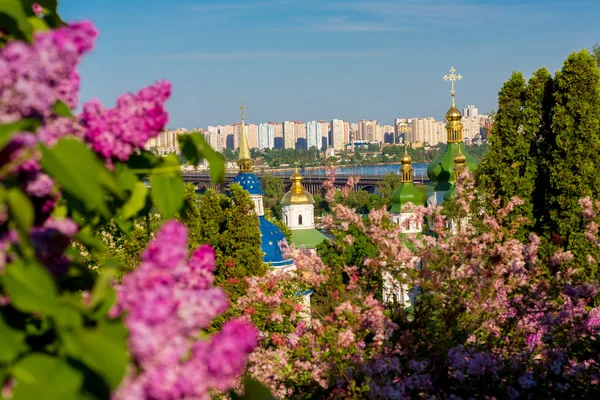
[40, 376]
[23, 125]
[21, 209]
[13, 339]
[13, 19]
[78, 170]
[60, 108]
[51, 16]
[195, 148]
[143, 160]
[30, 288]
[126, 177]
[103, 350]
[168, 190]
[136, 201]
[103, 294]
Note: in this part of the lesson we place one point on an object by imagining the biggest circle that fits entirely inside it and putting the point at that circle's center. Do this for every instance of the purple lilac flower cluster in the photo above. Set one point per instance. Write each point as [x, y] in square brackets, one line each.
[116, 132]
[169, 300]
[34, 77]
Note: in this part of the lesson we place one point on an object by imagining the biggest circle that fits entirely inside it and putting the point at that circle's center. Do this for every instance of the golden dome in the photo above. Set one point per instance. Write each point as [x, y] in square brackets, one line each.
[406, 168]
[453, 114]
[297, 194]
[460, 161]
[406, 158]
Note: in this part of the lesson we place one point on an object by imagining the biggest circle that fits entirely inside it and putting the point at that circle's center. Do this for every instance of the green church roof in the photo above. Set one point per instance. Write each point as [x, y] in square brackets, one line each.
[309, 238]
[448, 195]
[441, 172]
[406, 193]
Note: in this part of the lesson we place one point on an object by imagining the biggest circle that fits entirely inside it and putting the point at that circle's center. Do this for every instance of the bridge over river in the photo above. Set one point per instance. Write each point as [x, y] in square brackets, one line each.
[312, 182]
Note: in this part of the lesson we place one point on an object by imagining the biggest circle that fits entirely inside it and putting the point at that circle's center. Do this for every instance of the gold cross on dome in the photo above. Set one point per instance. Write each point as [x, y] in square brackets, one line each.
[242, 107]
[452, 77]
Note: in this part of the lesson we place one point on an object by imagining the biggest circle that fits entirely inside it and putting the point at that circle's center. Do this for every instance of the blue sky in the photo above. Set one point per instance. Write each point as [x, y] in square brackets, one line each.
[323, 59]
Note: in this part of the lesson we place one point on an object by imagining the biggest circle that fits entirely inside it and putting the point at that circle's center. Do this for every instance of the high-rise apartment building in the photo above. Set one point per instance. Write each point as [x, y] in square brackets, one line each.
[324, 140]
[289, 134]
[252, 134]
[266, 135]
[470, 111]
[367, 130]
[346, 132]
[300, 134]
[313, 134]
[427, 130]
[337, 134]
[277, 135]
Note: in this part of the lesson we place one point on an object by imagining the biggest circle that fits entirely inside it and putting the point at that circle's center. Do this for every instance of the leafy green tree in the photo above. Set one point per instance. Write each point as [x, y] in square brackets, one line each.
[390, 182]
[338, 254]
[573, 170]
[321, 205]
[363, 201]
[508, 170]
[596, 53]
[230, 155]
[273, 188]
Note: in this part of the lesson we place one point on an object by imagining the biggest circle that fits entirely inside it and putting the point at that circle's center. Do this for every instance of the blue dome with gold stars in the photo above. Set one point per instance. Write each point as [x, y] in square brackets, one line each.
[271, 235]
[250, 182]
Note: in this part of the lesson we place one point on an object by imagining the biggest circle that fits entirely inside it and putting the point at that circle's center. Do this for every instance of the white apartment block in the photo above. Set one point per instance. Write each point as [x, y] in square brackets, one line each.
[470, 111]
[266, 135]
[289, 135]
[324, 140]
[337, 134]
[314, 133]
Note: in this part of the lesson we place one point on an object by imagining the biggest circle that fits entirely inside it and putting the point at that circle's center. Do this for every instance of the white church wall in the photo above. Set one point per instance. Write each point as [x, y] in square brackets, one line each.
[299, 216]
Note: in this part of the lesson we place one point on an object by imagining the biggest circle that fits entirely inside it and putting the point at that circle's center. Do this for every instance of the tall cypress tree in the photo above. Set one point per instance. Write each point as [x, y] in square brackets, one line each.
[506, 170]
[537, 121]
[575, 152]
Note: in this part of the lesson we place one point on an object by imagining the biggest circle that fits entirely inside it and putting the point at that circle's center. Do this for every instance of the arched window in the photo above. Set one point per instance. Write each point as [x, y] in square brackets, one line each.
[299, 219]
[285, 219]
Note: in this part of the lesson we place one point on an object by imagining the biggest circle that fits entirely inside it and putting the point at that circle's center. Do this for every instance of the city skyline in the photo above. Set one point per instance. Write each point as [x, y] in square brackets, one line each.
[313, 60]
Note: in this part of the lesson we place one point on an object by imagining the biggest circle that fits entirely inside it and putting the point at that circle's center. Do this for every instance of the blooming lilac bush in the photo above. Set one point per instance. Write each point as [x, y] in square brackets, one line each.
[61, 177]
[167, 301]
[487, 319]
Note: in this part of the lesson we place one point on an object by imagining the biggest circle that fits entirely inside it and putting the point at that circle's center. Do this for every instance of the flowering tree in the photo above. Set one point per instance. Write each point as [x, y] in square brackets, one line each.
[486, 319]
[62, 176]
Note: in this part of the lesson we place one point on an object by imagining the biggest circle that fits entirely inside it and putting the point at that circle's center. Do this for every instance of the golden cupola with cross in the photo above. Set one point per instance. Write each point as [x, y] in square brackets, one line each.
[442, 172]
[297, 193]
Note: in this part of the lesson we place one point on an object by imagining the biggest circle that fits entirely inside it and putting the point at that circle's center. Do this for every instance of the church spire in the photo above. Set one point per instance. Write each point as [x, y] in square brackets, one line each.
[460, 163]
[453, 116]
[297, 179]
[406, 168]
[244, 161]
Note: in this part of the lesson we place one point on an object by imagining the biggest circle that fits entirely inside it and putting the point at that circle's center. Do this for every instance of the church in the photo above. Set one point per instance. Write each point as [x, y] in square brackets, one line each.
[270, 234]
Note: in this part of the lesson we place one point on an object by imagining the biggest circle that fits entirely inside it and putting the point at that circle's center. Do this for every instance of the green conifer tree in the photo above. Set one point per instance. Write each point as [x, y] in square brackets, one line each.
[507, 170]
[575, 152]
[537, 125]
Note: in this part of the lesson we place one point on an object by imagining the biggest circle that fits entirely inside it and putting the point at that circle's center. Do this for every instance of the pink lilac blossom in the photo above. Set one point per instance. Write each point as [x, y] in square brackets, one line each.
[33, 78]
[115, 133]
[168, 300]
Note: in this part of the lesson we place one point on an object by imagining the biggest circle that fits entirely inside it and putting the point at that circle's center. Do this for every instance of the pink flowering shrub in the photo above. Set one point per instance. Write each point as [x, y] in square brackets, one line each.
[486, 320]
[62, 176]
[168, 301]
